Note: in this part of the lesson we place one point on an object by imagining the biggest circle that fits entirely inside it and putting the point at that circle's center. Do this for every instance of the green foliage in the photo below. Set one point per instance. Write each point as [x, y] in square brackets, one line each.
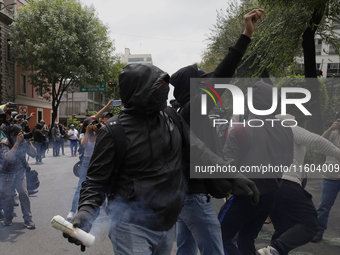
[91, 113]
[278, 37]
[228, 27]
[63, 43]
[74, 121]
[116, 68]
[116, 110]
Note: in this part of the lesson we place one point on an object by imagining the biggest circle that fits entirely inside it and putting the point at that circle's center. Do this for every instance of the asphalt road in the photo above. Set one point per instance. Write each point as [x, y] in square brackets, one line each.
[55, 195]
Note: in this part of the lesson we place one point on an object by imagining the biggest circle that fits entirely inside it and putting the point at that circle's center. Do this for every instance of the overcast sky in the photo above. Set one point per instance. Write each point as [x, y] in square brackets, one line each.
[173, 31]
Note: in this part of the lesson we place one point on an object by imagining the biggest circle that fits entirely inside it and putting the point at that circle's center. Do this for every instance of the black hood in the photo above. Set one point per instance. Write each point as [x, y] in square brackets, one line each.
[137, 83]
[262, 95]
[39, 126]
[181, 81]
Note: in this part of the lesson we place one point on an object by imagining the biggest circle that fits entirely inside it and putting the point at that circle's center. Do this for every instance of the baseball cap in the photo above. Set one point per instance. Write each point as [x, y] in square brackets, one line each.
[72, 125]
[107, 113]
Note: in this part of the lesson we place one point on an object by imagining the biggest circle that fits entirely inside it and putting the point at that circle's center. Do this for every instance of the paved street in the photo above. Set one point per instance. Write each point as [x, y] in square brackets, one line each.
[55, 195]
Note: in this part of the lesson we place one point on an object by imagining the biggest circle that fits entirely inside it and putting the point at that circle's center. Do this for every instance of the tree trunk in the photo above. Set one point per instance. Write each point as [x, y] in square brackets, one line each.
[312, 83]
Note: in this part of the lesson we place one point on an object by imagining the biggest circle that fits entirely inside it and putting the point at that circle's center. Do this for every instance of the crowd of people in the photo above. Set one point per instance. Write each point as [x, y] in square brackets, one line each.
[140, 162]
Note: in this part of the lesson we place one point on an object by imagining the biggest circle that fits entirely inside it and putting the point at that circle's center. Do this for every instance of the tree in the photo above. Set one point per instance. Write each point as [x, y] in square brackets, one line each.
[113, 74]
[62, 43]
[287, 30]
[289, 25]
[226, 31]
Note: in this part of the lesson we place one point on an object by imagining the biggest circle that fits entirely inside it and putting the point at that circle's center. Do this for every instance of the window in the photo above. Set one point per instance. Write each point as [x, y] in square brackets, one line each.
[333, 68]
[40, 114]
[318, 46]
[332, 50]
[148, 59]
[135, 59]
[23, 84]
[318, 66]
[90, 96]
[97, 97]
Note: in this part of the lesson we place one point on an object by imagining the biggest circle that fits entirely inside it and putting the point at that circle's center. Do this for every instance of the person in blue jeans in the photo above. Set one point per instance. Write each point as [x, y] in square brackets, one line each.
[87, 139]
[198, 226]
[73, 136]
[331, 181]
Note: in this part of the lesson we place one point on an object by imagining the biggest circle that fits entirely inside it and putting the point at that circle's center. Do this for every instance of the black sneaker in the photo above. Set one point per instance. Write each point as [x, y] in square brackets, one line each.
[317, 238]
[8, 223]
[29, 224]
[32, 192]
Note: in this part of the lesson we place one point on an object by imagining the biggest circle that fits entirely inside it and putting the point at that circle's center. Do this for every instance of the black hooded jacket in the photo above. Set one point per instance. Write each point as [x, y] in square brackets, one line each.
[38, 135]
[269, 145]
[200, 124]
[151, 186]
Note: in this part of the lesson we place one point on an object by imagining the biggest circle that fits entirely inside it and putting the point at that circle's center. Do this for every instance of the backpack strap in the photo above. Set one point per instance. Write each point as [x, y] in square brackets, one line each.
[175, 117]
[117, 132]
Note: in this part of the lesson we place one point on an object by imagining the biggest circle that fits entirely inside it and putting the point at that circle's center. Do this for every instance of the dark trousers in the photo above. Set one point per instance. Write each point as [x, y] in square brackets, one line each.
[294, 217]
[39, 147]
[238, 215]
[7, 195]
[62, 141]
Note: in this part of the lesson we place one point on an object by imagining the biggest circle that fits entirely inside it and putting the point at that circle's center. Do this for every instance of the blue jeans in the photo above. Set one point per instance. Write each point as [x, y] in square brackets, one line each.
[131, 239]
[82, 177]
[56, 147]
[198, 227]
[329, 192]
[73, 145]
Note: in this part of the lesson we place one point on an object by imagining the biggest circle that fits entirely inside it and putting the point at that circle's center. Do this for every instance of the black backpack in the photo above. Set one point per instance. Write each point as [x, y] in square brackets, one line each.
[32, 180]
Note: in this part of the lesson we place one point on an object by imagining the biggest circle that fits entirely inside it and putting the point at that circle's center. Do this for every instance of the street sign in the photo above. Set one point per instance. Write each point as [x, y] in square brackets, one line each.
[99, 88]
[23, 110]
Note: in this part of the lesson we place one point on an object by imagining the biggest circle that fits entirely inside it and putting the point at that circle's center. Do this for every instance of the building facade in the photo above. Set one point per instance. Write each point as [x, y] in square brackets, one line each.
[14, 81]
[327, 59]
[133, 58]
[80, 104]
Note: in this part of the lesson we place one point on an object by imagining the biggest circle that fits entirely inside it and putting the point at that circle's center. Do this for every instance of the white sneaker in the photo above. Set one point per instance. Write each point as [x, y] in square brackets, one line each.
[70, 216]
[267, 251]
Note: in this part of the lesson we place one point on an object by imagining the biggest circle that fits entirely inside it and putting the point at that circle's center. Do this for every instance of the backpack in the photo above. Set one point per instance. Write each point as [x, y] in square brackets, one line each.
[32, 180]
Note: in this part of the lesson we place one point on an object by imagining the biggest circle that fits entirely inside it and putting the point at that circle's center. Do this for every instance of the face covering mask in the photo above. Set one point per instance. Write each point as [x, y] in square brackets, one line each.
[2, 135]
[158, 99]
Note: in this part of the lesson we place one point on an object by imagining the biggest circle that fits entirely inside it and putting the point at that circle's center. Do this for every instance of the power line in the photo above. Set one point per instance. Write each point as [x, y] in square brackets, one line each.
[157, 38]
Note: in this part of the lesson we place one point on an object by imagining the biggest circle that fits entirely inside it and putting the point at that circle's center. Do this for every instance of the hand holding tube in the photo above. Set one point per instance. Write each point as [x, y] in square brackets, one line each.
[72, 231]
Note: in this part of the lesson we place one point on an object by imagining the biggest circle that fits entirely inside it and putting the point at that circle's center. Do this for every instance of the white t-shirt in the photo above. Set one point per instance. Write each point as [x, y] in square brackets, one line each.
[89, 147]
[74, 134]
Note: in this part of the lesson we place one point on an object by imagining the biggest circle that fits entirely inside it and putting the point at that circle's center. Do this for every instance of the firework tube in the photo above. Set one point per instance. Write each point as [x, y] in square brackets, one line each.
[66, 227]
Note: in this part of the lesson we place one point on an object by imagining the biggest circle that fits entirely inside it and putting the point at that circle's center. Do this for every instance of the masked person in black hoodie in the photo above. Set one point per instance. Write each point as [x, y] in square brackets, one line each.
[198, 226]
[150, 188]
[259, 143]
